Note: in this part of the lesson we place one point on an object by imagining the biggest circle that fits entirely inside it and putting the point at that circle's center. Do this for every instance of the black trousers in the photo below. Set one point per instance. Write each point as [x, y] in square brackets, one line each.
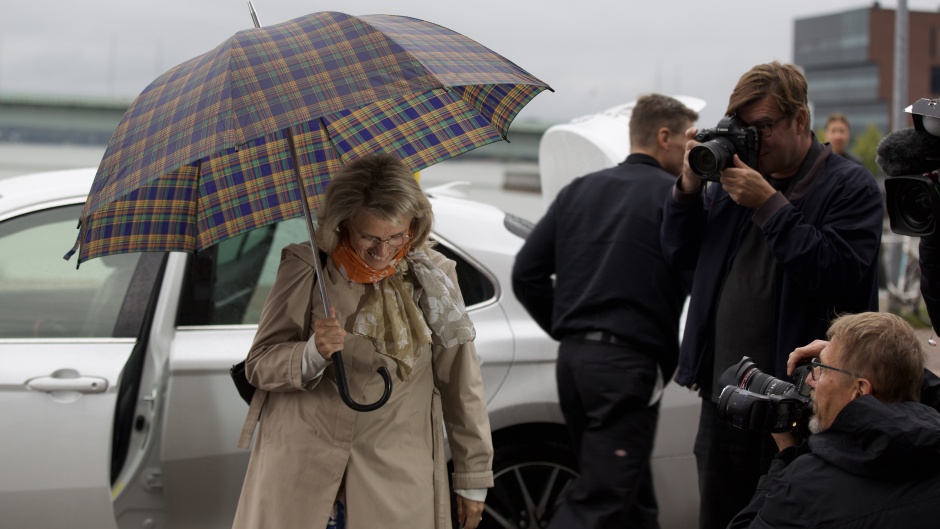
[604, 390]
[730, 463]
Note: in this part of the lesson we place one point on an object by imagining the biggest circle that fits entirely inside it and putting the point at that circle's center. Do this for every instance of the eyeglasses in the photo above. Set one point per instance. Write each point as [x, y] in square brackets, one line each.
[395, 241]
[766, 128]
[816, 366]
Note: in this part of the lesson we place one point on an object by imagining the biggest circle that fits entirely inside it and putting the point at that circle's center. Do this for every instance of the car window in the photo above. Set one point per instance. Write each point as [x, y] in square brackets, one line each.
[474, 285]
[228, 283]
[44, 296]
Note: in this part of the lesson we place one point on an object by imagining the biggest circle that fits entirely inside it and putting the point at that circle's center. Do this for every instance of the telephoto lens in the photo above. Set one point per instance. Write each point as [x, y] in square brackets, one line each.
[753, 400]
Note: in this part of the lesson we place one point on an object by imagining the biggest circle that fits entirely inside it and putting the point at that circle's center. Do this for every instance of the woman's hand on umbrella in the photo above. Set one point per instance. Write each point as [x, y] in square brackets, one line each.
[328, 335]
[469, 512]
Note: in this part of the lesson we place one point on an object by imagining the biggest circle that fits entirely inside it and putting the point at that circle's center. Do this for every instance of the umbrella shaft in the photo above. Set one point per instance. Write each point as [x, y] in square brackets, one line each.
[310, 229]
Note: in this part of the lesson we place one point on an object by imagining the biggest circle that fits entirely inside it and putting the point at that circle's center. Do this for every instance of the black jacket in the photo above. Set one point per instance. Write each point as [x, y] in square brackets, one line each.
[877, 466]
[930, 276]
[825, 240]
[600, 239]
[930, 289]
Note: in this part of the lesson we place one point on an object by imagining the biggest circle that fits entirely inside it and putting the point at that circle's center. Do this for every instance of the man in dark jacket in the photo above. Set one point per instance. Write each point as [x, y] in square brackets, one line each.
[614, 305]
[930, 275]
[777, 252]
[874, 457]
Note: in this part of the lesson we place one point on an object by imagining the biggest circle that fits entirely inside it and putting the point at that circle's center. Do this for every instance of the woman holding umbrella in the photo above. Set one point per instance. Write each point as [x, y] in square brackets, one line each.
[395, 302]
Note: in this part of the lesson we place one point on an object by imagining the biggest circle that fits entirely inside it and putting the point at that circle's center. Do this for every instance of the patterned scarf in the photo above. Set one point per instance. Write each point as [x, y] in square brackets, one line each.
[398, 326]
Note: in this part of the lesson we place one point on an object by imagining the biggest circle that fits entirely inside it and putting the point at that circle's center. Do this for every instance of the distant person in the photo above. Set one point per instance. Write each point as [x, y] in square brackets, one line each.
[838, 134]
[614, 304]
[873, 459]
[777, 252]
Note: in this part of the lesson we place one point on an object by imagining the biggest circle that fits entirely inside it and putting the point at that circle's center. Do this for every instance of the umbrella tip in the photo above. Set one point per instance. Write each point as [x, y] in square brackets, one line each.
[254, 16]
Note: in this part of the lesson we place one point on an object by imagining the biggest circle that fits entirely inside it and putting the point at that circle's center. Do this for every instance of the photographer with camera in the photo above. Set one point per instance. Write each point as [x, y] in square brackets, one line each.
[785, 237]
[874, 457]
[910, 158]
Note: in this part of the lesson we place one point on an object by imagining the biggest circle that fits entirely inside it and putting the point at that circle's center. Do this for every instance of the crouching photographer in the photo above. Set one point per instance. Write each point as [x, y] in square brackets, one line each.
[873, 459]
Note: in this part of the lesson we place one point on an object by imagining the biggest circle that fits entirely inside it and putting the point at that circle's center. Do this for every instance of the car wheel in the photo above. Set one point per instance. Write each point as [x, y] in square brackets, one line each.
[529, 478]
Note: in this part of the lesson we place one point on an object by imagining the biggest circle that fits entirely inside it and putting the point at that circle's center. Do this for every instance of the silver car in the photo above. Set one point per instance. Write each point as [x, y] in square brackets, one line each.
[115, 394]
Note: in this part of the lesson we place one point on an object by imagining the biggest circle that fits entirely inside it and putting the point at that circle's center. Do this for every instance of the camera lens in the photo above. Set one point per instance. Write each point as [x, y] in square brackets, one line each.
[913, 202]
[748, 377]
[914, 205]
[760, 382]
[703, 160]
[744, 409]
[708, 159]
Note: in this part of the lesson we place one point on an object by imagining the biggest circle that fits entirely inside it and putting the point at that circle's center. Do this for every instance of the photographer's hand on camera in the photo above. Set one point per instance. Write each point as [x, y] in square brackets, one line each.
[689, 182]
[746, 186]
[805, 354]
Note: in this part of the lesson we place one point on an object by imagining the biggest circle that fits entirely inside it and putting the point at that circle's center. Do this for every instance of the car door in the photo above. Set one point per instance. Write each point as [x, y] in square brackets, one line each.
[220, 298]
[66, 339]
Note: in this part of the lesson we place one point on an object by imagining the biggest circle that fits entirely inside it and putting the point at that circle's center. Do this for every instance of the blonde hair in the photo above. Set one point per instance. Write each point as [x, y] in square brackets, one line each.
[883, 348]
[378, 184]
[785, 83]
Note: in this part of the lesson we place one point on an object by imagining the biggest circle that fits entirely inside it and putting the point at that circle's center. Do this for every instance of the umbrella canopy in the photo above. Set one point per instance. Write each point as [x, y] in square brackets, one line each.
[204, 152]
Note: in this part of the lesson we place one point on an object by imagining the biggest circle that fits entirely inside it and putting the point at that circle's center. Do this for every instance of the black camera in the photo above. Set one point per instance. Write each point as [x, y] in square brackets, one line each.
[910, 157]
[753, 400]
[720, 144]
[913, 204]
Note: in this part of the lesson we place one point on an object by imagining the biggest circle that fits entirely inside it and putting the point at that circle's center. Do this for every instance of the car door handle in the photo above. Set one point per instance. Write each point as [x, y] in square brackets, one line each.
[79, 384]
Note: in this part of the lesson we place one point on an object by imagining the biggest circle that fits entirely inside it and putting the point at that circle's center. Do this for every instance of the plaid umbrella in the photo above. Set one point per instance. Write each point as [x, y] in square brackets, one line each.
[203, 153]
[248, 134]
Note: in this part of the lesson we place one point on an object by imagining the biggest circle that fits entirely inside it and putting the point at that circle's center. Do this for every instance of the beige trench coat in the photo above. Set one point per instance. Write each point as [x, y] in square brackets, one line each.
[307, 439]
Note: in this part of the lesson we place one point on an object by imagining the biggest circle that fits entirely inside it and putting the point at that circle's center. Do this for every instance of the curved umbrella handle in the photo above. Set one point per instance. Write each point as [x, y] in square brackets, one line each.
[344, 388]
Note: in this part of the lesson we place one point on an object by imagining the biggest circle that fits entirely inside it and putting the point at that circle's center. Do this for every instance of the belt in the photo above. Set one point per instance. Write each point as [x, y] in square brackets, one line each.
[600, 336]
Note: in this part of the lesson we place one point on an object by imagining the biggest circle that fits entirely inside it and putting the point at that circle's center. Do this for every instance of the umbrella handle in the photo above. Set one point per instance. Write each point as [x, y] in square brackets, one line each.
[344, 389]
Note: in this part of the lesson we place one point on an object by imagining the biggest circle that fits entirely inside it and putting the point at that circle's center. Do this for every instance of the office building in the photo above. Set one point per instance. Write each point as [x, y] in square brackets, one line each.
[848, 59]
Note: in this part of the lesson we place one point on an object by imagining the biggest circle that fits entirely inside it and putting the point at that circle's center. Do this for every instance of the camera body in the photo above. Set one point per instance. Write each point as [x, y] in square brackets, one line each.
[755, 401]
[720, 144]
[910, 158]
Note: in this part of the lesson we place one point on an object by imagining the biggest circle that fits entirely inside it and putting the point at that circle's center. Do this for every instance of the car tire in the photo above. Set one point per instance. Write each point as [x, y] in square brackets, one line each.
[529, 478]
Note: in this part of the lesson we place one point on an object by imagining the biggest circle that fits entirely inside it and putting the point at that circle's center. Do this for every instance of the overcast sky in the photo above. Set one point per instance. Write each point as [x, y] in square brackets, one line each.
[595, 53]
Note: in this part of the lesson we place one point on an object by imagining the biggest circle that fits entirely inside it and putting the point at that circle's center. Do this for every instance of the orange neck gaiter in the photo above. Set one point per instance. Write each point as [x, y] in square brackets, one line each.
[352, 266]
